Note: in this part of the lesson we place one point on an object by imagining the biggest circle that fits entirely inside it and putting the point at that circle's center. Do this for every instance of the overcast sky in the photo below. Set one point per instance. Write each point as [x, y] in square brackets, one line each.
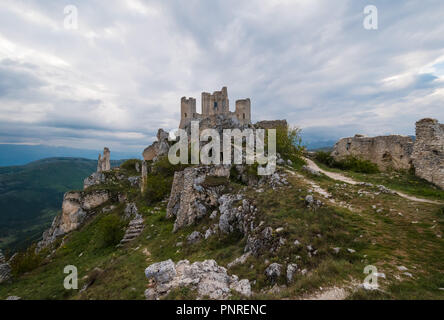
[120, 76]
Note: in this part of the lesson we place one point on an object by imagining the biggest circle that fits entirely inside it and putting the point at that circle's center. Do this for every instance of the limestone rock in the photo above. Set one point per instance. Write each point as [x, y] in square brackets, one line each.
[94, 179]
[273, 272]
[312, 203]
[206, 277]
[291, 270]
[159, 148]
[194, 237]
[5, 272]
[131, 211]
[161, 272]
[77, 206]
[190, 197]
[311, 170]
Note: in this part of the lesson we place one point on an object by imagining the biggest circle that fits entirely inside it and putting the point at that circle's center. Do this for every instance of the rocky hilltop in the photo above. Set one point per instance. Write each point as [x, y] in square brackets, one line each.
[152, 230]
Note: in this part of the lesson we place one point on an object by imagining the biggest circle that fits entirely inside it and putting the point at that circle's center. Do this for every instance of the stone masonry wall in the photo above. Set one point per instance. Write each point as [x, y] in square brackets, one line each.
[428, 151]
[391, 151]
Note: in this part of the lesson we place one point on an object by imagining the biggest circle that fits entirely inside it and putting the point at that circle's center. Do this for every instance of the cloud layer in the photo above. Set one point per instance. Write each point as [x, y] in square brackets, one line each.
[120, 75]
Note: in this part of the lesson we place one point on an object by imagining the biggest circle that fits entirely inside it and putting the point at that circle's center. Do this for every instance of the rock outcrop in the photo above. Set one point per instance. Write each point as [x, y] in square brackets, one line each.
[77, 206]
[428, 151]
[208, 278]
[103, 165]
[5, 269]
[391, 151]
[158, 148]
[190, 196]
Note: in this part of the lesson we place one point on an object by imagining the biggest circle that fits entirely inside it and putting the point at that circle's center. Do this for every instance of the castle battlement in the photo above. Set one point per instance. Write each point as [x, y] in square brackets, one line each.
[214, 104]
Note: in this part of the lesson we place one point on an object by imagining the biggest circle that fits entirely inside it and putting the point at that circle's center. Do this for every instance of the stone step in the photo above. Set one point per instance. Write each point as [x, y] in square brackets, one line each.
[138, 221]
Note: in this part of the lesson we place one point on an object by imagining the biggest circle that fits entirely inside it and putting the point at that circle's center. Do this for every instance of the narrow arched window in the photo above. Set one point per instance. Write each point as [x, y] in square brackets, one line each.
[185, 114]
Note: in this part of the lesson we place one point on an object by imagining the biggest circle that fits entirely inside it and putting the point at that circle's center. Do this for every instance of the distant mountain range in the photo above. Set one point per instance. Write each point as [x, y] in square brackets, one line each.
[14, 154]
[31, 195]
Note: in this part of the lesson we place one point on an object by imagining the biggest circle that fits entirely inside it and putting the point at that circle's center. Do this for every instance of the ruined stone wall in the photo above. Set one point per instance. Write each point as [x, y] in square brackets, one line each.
[271, 124]
[428, 151]
[391, 151]
[243, 111]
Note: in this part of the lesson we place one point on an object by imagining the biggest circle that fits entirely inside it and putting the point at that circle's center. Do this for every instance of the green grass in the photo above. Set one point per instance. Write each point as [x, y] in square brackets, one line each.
[384, 239]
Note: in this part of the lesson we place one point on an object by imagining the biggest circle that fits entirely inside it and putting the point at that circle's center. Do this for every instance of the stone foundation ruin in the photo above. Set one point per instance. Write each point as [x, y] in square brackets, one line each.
[425, 155]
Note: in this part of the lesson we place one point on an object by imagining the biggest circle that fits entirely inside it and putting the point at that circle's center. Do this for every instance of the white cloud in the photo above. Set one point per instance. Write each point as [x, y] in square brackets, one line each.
[120, 76]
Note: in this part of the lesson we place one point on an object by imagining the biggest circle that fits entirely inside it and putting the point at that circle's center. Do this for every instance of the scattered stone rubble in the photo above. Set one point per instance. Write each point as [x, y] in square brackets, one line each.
[208, 279]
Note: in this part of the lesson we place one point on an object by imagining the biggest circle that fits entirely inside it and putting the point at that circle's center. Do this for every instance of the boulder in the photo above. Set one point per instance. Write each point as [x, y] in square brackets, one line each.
[161, 272]
[273, 272]
[291, 270]
[194, 237]
[206, 277]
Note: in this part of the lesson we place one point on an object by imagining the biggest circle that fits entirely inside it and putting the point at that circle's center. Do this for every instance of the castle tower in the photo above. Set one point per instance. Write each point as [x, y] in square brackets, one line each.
[106, 166]
[187, 110]
[243, 111]
[216, 103]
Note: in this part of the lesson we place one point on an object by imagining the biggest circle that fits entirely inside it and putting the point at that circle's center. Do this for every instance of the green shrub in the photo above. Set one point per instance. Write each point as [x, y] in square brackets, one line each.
[157, 187]
[325, 158]
[130, 165]
[289, 143]
[25, 261]
[350, 163]
[110, 231]
[357, 165]
[164, 167]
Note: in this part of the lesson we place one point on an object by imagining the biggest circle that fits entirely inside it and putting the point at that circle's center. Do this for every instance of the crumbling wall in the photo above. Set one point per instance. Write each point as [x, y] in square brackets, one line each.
[391, 151]
[103, 163]
[271, 124]
[428, 151]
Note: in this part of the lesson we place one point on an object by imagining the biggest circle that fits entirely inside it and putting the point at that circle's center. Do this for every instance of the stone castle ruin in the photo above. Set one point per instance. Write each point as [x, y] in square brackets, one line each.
[425, 155]
[212, 105]
[391, 151]
[103, 163]
[428, 151]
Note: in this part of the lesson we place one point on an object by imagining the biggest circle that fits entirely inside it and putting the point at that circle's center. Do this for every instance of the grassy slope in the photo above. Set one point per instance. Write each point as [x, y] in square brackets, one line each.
[30, 196]
[385, 239]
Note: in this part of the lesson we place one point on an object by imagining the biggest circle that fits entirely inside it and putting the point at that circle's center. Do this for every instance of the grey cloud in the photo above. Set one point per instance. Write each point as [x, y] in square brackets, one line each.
[310, 62]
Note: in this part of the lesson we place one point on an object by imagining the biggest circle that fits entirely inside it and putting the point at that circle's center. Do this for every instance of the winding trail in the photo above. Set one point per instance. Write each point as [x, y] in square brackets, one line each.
[340, 177]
